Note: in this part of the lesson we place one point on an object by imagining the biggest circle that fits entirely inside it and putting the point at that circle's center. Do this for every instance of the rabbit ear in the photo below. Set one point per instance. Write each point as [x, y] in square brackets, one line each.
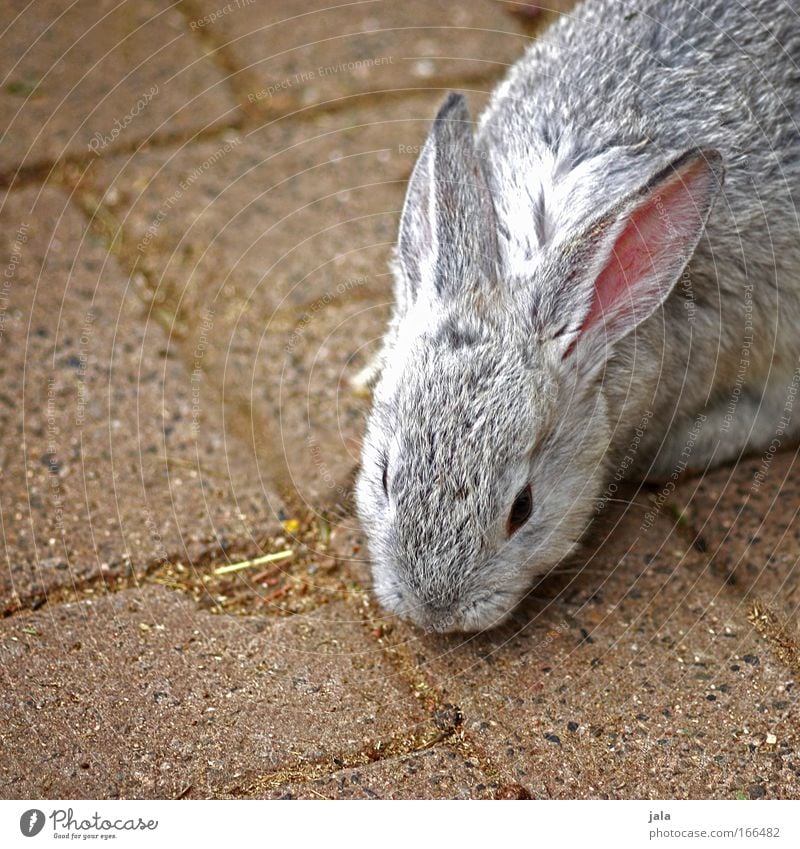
[447, 230]
[627, 262]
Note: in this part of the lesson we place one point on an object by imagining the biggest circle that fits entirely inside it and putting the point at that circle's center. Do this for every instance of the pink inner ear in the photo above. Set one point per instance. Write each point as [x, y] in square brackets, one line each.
[647, 251]
[630, 261]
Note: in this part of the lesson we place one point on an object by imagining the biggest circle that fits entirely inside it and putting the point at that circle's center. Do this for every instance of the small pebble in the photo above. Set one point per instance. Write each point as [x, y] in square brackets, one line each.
[423, 68]
[512, 791]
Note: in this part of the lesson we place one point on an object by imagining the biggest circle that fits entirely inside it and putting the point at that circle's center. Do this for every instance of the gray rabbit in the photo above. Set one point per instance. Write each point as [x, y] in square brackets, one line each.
[578, 298]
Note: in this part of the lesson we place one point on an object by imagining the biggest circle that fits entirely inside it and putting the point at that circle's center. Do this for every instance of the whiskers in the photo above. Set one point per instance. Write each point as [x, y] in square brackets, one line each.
[576, 570]
[628, 502]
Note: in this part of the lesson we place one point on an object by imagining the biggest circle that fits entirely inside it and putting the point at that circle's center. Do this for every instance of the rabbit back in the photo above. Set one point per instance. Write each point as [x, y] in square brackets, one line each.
[617, 86]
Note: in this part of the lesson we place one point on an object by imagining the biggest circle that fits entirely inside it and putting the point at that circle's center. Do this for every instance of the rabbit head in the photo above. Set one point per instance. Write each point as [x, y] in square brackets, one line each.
[483, 454]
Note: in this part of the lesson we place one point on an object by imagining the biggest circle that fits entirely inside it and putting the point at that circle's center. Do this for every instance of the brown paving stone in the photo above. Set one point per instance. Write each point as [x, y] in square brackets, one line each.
[298, 55]
[641, 678]
[273, 218]
[116, 73]
[286, 236]
[113, 456]
[139, 694]
[745, 520]
[437, 773]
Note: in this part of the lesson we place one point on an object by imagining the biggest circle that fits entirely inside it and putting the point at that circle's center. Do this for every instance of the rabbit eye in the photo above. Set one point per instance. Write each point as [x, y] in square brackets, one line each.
[520, 510]
[385, 478]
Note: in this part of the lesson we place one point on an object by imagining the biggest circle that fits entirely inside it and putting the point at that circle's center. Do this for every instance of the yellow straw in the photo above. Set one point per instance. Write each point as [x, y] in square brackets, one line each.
[246, 564]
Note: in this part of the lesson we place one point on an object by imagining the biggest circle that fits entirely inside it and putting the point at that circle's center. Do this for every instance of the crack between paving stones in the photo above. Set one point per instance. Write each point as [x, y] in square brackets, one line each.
[217, 53]
[243, 81]
[193, 584]
[240, 423]
[54, 172]
[395, 746]
[434, 702]
[444, 718]
[105, 223]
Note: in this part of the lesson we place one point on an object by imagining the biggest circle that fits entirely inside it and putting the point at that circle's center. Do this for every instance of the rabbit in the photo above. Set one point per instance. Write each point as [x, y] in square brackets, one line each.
[600, 281]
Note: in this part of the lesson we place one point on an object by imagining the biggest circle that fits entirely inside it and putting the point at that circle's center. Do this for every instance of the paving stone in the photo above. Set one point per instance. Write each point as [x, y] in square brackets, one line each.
[641, 678]
[114, 458]
[278, 215]
[437, 773]
[100, 74]
[745, 521]
[294, 56]
[285, 236]
[141, 695]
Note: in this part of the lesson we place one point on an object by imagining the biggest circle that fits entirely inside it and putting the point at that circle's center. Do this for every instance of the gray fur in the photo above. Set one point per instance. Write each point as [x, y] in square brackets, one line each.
[494, 373]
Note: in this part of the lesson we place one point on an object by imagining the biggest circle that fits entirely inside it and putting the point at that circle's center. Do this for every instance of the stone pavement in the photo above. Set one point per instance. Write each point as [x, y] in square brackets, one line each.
[199, 204]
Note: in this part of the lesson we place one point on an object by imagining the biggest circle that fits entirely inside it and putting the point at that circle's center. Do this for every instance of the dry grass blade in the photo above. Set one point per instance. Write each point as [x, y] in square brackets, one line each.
[256, 561]
[782, 638]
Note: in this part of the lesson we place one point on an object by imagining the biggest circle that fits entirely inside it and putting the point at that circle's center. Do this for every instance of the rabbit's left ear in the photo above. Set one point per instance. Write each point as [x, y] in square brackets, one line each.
[447, 237]
[626, 262]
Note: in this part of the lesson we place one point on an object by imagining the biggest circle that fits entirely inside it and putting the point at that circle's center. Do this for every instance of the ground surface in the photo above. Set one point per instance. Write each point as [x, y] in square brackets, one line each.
[199, 204]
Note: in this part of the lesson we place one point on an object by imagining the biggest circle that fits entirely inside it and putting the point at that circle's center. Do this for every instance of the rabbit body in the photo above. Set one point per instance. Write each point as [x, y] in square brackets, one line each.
[578, 299]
